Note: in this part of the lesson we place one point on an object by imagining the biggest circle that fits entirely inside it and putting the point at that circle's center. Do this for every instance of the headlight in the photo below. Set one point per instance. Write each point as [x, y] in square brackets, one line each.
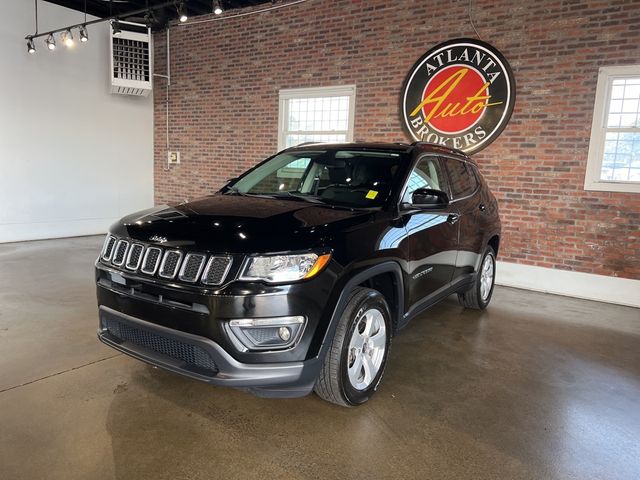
[284, 268]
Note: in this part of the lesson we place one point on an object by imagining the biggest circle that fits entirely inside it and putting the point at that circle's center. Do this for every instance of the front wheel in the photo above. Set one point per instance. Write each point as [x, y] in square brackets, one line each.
[358, 353]
[479, 295]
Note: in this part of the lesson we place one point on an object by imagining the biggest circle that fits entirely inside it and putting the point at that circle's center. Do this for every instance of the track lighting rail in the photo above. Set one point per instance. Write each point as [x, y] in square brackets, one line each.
[120, 16]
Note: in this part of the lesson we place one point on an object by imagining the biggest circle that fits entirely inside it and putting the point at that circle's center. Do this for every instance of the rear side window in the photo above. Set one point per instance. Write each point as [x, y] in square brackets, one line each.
[461, 178]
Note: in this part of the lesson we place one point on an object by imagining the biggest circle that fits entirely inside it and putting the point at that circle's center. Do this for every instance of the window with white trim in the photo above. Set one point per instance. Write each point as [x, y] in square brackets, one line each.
[614, 150]
[324, 114]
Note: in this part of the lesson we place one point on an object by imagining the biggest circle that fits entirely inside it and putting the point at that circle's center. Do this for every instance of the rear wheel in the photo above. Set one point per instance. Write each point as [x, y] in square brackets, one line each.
[358, 353]
[479, 295]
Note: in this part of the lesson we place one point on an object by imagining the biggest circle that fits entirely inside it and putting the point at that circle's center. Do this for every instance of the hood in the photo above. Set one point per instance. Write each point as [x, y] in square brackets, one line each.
[240, 224]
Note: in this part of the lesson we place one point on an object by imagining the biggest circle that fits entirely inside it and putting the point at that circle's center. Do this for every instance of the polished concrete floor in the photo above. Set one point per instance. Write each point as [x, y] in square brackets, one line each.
[536, 387]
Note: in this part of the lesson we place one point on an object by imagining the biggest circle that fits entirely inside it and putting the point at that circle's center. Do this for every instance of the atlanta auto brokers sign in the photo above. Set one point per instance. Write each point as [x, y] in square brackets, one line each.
[460, 94]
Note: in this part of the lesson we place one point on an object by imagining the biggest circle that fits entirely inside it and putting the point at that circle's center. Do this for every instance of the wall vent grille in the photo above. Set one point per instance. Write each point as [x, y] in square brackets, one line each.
[131, 60]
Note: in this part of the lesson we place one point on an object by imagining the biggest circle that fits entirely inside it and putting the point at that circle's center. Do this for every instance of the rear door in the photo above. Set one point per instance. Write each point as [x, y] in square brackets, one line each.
[466, 199]
[432, 234]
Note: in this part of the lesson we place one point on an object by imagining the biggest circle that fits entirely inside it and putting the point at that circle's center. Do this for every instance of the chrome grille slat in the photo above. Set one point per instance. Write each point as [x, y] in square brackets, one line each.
[170, 264]
[134, 257]
[151, 260]
[192, 267]
[120, 253]
[107, 249]
[216, 270]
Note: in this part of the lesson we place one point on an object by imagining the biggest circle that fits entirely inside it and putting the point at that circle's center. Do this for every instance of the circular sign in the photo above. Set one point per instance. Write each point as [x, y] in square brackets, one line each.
[460, 94]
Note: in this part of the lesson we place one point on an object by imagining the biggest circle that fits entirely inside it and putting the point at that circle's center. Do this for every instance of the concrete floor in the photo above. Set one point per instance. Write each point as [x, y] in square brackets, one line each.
[536, 387]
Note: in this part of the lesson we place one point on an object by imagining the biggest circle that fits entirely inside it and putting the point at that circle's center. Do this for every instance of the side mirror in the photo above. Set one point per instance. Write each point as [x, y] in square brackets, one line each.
[428, 197]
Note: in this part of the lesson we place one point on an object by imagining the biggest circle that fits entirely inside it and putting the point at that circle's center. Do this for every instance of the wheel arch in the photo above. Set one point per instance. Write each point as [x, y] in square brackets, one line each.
[387, 274]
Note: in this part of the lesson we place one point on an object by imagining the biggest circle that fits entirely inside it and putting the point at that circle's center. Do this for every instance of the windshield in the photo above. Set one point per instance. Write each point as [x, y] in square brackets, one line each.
[352, 178]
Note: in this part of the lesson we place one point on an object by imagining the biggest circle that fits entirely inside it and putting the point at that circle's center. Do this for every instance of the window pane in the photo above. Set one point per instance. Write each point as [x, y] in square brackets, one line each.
[427, 174]
[318, 114]
[460, 177]
[624, 104]
[621, 160]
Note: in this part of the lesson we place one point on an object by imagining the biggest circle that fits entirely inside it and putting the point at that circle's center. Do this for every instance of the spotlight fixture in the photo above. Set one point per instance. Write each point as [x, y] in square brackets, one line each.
[217, 7]
[115, 26]
[67, 38]
[51, 42]
[182, 13]
[84, 36]
[31, 47]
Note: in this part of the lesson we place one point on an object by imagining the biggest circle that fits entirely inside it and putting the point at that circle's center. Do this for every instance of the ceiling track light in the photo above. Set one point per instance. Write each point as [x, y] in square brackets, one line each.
[217, 7]
[31, 46]
[115, 27]
[51, 42]
[182, 13]
[67, 38]
[84, 35]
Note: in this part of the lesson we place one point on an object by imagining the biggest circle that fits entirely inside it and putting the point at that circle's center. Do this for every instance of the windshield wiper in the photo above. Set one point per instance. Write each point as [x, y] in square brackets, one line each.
[235, 191]
[296, 195]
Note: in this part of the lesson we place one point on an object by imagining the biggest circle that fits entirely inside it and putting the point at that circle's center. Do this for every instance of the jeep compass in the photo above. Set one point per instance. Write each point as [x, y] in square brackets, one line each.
[296, 275]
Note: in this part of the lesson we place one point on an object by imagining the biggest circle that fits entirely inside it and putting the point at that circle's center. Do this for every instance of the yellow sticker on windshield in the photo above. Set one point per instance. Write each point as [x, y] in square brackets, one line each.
[372, 194]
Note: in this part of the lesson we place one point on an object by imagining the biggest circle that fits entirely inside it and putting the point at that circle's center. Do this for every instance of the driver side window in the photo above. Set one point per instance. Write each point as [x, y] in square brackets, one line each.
[428, 173]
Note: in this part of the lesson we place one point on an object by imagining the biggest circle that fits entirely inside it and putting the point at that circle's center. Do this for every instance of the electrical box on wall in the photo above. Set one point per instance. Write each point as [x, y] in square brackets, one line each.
[173, 158]
[131, 59]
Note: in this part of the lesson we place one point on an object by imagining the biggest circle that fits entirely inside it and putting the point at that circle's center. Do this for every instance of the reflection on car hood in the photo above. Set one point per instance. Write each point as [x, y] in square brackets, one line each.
[240, 224]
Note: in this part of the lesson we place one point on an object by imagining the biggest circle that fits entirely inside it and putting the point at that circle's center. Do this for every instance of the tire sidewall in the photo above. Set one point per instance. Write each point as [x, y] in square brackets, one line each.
[372, 300]
[484, 303]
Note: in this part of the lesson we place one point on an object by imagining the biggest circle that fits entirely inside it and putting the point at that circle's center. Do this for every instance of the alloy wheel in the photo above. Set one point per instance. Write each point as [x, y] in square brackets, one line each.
[367, 348]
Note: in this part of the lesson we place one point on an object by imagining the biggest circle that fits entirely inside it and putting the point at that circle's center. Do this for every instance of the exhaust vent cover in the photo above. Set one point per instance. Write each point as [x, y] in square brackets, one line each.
[131, 60]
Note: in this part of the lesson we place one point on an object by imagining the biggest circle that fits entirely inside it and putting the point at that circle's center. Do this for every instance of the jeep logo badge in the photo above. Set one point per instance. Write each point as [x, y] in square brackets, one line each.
[158, 239]
[460, 94]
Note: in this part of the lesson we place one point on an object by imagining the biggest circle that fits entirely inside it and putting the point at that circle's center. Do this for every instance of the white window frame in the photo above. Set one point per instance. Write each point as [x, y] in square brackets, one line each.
[592, 181]
[315, 92]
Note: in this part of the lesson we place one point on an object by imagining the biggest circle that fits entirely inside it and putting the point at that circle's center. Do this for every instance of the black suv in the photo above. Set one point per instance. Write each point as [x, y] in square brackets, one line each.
[295, 276]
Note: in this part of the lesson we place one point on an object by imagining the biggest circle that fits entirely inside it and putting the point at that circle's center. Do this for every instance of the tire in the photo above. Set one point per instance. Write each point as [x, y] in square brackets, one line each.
[478, 297]
[343, 379]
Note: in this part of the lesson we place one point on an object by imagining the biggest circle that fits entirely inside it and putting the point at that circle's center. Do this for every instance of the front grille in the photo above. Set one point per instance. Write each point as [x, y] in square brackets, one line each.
[120, 252]
[107, 250]
[192, 267]
[151, 260]
[191, 355]
[135, 256]
[216, 270]
[170, 264]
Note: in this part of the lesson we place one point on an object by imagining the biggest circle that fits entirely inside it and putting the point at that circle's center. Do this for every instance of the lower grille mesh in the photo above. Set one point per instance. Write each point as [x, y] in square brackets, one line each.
[192, 355]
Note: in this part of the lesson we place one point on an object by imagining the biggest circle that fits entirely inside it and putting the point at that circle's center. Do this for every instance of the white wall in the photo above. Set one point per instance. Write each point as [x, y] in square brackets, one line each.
[73, 157]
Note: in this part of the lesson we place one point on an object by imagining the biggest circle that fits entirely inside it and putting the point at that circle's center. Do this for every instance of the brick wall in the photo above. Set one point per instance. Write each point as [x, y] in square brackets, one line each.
[224, 105]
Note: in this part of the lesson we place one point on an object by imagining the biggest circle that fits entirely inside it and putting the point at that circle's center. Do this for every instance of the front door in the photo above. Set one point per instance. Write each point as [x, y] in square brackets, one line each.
[432, 234]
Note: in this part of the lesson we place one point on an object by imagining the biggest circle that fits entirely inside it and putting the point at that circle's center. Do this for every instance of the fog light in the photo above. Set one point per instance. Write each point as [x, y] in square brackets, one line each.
[275, 333]
[284, 333]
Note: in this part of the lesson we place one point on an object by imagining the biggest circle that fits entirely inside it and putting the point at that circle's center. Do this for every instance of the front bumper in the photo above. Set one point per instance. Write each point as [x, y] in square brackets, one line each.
[203, 359]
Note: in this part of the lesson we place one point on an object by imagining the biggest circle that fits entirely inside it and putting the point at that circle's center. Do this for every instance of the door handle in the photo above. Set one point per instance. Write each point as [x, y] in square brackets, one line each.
[482, 207]
[453, 218]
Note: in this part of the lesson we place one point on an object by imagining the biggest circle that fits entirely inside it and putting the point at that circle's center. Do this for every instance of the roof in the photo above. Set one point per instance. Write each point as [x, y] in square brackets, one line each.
[392, 147]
